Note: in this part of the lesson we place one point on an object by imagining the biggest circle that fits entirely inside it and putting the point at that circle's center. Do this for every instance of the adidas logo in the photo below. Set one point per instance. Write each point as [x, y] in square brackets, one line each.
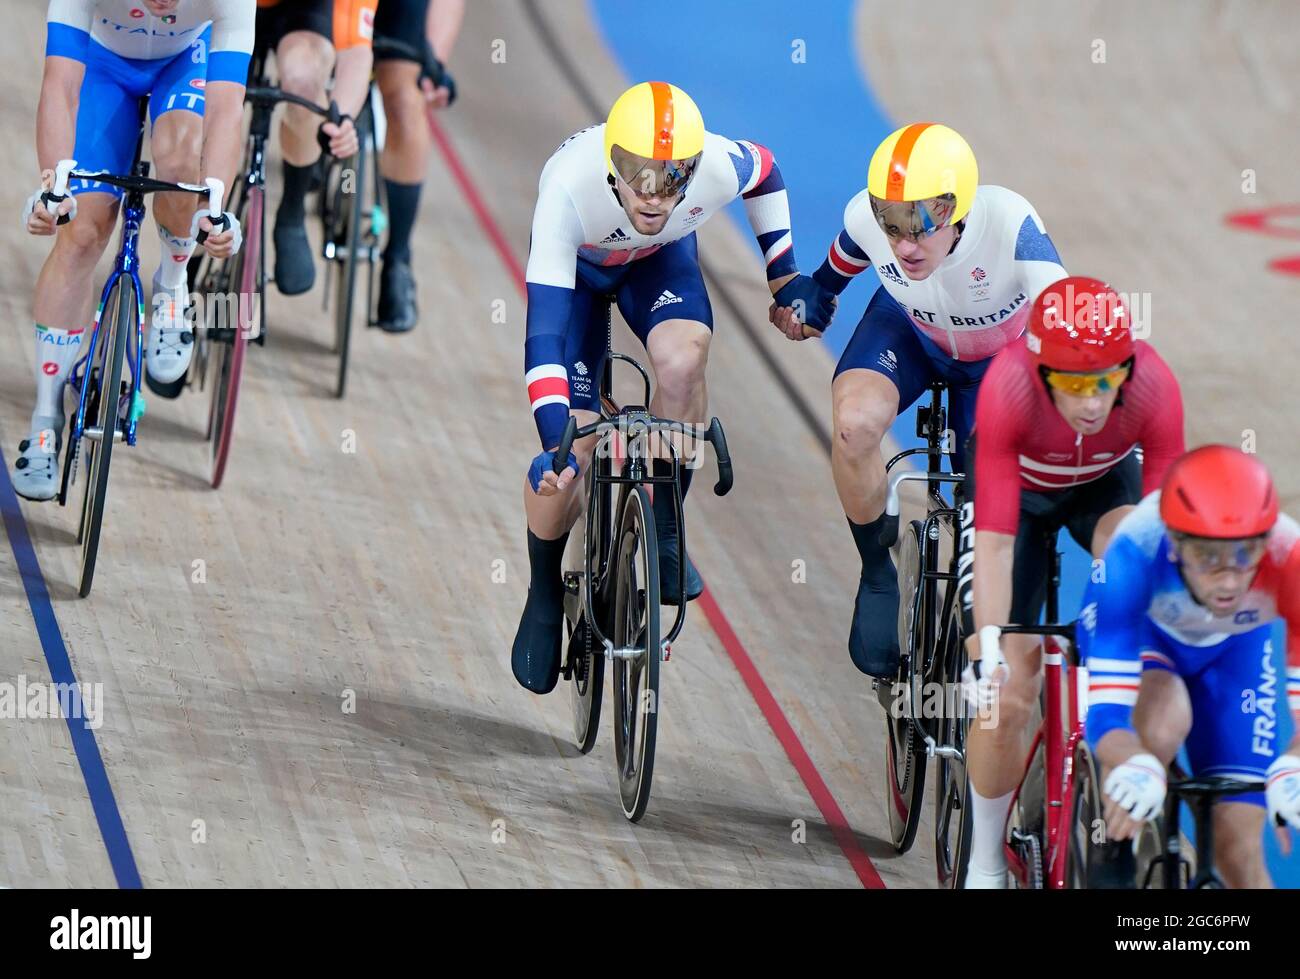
[618, 236]
[891, 273]
[666, 298]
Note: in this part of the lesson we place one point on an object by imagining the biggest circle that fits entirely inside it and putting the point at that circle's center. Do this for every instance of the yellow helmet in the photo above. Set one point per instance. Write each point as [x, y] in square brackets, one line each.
[923, 161]
[655, 121]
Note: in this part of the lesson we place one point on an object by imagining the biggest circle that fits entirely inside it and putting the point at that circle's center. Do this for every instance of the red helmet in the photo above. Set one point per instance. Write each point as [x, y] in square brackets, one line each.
[1079, 324]
[1218, 491]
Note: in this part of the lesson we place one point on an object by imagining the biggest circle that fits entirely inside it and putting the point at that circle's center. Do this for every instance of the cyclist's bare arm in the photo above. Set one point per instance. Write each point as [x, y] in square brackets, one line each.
[1118, 746]
[994, 563]
[443, 26]
[352, 78]
[56, 116]
[223, 133]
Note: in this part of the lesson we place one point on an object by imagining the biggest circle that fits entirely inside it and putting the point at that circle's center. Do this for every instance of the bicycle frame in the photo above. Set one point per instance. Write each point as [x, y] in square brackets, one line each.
[1065, 687]
[126, 264]
[613, 448]
[930, 425]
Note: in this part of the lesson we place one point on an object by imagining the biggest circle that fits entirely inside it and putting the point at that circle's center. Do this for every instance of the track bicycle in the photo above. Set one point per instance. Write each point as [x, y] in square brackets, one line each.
[109, 407]
[612, 600]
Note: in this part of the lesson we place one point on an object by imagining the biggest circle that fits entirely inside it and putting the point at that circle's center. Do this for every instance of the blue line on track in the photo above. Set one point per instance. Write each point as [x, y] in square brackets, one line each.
[84, 744]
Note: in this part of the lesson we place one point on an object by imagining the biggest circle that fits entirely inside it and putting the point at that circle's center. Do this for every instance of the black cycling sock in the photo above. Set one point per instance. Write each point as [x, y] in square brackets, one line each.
[293, 203]
[403, 207]
[877, 566]
[545, 558]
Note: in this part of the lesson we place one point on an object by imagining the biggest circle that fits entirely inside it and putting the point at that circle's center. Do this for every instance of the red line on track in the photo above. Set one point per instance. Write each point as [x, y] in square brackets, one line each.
[740, 658]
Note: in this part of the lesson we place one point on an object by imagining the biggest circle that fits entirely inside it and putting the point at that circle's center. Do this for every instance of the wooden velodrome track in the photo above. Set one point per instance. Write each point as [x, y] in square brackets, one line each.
[377, 571]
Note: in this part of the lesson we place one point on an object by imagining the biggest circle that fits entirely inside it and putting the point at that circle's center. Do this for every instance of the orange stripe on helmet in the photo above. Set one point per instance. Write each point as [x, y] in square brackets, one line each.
[896, 178]
[662, 142]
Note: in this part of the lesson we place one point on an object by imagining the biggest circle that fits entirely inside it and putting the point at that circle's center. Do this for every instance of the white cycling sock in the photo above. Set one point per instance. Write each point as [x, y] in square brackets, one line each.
[988, 820]
[176, 254]
[56, 352]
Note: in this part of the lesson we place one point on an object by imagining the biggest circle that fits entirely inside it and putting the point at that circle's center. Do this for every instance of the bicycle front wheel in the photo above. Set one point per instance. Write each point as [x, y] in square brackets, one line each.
[904, 747]
[108, 403]
[229, 370]
[348, 210]
[952, 810]
[635, 633]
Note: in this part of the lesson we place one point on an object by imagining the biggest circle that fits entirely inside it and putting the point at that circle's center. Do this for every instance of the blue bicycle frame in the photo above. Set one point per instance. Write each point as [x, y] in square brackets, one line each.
[127, 264]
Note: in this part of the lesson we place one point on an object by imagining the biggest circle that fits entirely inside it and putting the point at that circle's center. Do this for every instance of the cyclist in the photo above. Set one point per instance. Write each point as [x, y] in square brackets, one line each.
[312, 39]
[408, 90]
[617, 211]
[1178, 645]
[190, 58]
[959, 264]
[1060, 415]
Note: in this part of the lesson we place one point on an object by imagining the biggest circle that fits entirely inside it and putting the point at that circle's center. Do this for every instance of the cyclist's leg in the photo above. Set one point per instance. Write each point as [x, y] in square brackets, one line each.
[536, 651]
[995, 743]
[176, 106]
[106, 132]
[1235, 734]
[883, 370]
[664, 301]
[407, 150]
[304, 55]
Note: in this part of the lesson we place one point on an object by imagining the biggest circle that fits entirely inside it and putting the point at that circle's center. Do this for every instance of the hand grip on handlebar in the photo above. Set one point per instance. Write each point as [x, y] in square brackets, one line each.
[53, 198]
[335, 117]
[889, 530]
[566, 446]
[216, 209]
[725, 476]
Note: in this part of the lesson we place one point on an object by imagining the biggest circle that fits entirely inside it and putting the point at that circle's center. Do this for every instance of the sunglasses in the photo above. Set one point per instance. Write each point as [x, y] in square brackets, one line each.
[654, 178]
[913, 220]
[1087, 385]
[1206, 556]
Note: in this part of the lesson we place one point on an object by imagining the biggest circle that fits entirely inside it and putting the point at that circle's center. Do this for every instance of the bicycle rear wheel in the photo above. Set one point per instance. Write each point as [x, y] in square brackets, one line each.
[635, 634]
[107, 413]
[587, 682]
[905, 757]
[228, 368]
[1086, 819]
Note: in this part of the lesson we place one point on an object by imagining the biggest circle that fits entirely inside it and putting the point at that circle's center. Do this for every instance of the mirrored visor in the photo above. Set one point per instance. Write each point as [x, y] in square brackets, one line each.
[913, 219]
[654, 178]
